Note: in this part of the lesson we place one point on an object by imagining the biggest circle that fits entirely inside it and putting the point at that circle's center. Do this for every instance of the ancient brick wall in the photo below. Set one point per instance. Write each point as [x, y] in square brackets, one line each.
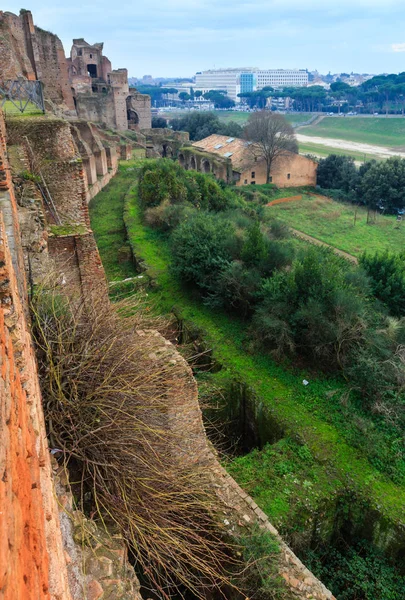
[28, 51]
[98, 108]
[32, 562]
[78, 264]
[51, 67]
[141, 105]
[14, 55]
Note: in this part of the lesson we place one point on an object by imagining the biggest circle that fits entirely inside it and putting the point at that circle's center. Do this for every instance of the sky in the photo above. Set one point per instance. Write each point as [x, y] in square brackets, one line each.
[177, 38]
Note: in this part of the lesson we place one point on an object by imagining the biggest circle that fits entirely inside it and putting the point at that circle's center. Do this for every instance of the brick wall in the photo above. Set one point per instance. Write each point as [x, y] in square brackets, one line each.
[32, 562]
[28, 51]
[302, 172]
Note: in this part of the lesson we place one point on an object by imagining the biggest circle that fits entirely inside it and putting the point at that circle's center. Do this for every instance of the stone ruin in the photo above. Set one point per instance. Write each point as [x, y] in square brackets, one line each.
[84, 85]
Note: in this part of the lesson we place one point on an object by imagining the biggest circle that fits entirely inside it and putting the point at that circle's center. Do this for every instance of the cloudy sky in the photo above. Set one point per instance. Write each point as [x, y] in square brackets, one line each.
[180, 37]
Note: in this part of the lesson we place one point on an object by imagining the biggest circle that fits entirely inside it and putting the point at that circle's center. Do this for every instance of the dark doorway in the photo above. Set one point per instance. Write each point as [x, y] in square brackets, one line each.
[92, 71]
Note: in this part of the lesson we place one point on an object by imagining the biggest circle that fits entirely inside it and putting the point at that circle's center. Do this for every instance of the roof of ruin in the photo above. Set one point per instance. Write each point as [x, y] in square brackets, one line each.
[241, 153]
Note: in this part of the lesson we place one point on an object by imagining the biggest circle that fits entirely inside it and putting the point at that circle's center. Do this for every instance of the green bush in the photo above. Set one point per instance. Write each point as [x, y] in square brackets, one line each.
[361, 573]
[201, 249]
[387, 276]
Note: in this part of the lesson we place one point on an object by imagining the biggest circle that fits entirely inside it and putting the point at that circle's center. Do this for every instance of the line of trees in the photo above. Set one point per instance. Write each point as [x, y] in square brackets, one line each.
[378, 185]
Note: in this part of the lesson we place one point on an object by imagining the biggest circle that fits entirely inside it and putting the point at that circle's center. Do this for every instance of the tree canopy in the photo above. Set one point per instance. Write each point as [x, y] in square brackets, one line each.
[273, 136]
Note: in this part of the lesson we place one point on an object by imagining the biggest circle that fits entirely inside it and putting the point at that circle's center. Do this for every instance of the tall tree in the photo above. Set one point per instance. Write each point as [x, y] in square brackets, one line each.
[273, 136]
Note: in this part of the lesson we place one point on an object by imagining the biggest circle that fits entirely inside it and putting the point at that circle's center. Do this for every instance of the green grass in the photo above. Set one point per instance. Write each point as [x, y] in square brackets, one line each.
[379, 131]
[10, 109]
[342, 446]
[106, 211]
[333, 222]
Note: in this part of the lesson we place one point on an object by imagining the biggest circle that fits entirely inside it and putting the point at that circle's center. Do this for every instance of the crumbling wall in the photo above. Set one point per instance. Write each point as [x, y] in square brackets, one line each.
[30, 52]
[32, 562]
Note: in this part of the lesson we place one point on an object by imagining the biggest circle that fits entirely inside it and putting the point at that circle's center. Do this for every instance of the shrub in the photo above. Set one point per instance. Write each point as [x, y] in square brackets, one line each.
[201, 249]
[106, 408]
[387, 277]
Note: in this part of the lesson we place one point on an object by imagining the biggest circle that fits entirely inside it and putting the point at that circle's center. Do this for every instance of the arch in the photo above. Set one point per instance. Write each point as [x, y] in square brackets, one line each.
[193, 163]
[182, 160]
[167, 151]
[206, 167]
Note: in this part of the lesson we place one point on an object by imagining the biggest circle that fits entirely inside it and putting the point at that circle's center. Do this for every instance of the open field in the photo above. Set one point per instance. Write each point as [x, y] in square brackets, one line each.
[235, 115]
[379, 131]
[323, 151]
[333, 222]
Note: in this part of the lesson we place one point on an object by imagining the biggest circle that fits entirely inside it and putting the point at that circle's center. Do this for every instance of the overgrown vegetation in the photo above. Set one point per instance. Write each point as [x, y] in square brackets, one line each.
[325, 413]
[320, 309]
[201, 125]
[106, 409]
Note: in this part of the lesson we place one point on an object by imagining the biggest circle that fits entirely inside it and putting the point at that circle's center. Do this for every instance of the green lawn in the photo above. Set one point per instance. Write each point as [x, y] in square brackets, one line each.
[10, 109]
[369, 130]
[333, 223]
[106, 211]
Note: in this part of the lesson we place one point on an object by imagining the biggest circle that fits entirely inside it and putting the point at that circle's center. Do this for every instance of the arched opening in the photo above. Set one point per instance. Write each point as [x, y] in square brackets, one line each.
[132, 115]
[167, 152]
[92, 71]
[182, 160]
[193, 163]
[206, 167]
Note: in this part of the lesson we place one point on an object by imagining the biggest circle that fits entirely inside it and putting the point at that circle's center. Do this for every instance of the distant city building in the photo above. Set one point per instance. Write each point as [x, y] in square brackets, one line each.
[228, 80]
[242, 80]
[279, 78]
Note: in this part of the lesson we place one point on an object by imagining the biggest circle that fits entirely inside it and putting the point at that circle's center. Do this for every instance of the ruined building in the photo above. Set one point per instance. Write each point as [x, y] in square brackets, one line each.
[84, 86]
[101, 94]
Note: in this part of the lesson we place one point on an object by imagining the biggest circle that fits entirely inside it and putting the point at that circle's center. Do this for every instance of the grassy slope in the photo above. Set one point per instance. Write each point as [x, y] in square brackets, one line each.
[304, 411]
[333, 223]
[109, 229]
[379, 131]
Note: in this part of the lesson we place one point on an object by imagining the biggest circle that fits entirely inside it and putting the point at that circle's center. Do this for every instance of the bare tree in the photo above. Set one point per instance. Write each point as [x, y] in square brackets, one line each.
[272, 135]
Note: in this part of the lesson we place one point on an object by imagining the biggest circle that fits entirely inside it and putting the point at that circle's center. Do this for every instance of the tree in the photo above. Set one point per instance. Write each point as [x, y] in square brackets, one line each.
[201, 125]
[273, 136]
[387, 276]
[384, 185]
[337, 173]
[159, 123]
[184, 96]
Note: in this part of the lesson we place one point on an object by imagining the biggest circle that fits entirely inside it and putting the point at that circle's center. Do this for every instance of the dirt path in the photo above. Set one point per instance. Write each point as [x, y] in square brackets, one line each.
[316, 242]
[380, 151]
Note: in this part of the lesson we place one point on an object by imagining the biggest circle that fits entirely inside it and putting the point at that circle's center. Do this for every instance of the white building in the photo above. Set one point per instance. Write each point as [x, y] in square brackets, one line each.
[279, 78]
[224, 79]
[235, 81]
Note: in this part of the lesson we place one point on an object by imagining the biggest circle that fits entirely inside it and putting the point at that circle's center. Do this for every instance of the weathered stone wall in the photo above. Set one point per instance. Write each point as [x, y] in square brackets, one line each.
[98, 108]
[30, 52]
[140, 104]
[14, 55]
[32, 562]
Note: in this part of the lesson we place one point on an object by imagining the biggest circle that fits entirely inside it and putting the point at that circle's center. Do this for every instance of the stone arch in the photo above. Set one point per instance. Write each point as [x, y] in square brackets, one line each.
[205, 166]
[132, 115]
[193, 163]
[182, 160]
[167, 151]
